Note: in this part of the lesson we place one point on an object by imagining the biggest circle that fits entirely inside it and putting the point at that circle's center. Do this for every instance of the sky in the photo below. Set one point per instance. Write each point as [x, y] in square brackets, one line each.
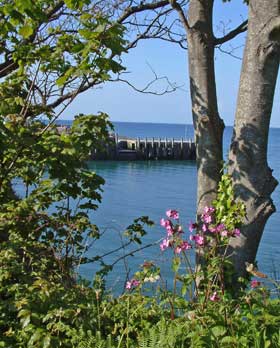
[122, 103]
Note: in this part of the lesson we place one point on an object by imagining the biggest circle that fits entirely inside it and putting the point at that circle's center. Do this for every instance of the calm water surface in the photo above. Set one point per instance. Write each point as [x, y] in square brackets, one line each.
[150, 188]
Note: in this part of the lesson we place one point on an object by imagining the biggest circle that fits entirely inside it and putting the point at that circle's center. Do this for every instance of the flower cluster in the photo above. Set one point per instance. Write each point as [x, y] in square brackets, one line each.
[209, 226]
[210, 234]
[172, 214]
[133, 283]
[174, 233]
[198, 239]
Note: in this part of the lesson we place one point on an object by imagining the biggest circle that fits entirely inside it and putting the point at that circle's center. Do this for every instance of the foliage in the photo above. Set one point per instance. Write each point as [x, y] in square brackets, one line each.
[51, 51]
[44, 230]
[43, 305]
[152, 315]
[228, 211]
[249, 323]
[42, 235]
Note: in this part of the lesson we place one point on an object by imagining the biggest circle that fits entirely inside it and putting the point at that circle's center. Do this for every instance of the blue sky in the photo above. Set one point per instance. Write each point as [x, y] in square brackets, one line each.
[124, 104]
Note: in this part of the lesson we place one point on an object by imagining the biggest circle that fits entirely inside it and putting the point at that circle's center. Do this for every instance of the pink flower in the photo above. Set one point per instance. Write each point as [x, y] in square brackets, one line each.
[206, 218]
[207, 215]
[204, 228]
[169, 231]
[133, 283]
[255, 283]
[164, 244]
[214, 297]
[185, 245]
[165, 223]
[236, 232]
[224, 233]
[220, 228]
[209, 210]
[212, 229]
[192, 226]
[199, 240]
[168, 225]
[172, 214]
[217, 229]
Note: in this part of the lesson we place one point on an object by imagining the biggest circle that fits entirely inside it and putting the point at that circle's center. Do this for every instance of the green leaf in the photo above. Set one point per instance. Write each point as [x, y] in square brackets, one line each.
[218, 331]
[176, 264]
[228, 340]
[26, 31]
[61, 80]
[37, 335]
[47, 341]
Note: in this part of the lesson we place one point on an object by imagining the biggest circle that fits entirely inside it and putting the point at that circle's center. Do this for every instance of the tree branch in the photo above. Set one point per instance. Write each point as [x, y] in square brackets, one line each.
[155, 29]
[170, 87]
[232, 34]
[7, 67]
[140, 8]
[177, 7]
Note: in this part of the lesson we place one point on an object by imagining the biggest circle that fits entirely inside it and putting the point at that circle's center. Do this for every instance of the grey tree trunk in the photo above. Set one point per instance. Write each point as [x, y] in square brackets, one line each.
[208, 125]
[253, 180]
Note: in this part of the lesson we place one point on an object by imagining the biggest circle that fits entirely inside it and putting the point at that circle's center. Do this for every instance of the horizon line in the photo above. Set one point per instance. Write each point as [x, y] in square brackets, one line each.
[166, 123]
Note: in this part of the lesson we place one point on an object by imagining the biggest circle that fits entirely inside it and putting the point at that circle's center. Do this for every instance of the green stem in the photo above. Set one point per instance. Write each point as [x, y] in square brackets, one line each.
[127, 324]
[192, 275]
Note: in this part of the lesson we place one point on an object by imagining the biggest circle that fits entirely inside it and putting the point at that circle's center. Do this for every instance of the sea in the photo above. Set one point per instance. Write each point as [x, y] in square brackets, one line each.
[149, 188]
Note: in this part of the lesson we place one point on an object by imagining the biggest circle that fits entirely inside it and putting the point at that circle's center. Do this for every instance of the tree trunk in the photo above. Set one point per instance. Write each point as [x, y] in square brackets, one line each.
[208, 125]
[253, 180]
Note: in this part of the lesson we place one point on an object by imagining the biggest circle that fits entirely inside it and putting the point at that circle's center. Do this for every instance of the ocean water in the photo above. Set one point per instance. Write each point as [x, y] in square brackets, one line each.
[134, 189]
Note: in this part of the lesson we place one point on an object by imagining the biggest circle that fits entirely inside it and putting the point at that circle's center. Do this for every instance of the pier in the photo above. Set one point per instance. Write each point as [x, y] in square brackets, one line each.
[131, 149]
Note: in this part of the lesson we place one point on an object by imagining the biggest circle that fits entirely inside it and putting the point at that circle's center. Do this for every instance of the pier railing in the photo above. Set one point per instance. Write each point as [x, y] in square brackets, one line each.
[125, 148]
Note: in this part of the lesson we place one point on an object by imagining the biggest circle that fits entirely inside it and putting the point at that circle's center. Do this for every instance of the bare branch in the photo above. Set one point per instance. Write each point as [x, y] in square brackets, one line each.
[140, 8]
[232, 34]
[154, 29]
[177, 7]
[7, 67]
[131, 253]
[170, 87]
[231, 51]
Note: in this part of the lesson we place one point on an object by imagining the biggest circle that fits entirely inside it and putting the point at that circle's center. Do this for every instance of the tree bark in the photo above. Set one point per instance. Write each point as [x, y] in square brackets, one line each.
[208, 125]
[253, 180]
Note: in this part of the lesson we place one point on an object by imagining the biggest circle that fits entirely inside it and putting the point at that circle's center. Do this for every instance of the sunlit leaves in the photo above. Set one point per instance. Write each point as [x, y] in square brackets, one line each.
[67, 41]
[228, 211]
[25, 31]
[42, 236]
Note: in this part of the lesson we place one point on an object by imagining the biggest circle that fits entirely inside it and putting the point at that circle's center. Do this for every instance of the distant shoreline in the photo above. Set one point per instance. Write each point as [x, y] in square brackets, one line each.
[151, 123]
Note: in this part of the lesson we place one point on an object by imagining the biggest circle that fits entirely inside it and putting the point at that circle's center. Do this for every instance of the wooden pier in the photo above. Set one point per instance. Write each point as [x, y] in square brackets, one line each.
[131, 149]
